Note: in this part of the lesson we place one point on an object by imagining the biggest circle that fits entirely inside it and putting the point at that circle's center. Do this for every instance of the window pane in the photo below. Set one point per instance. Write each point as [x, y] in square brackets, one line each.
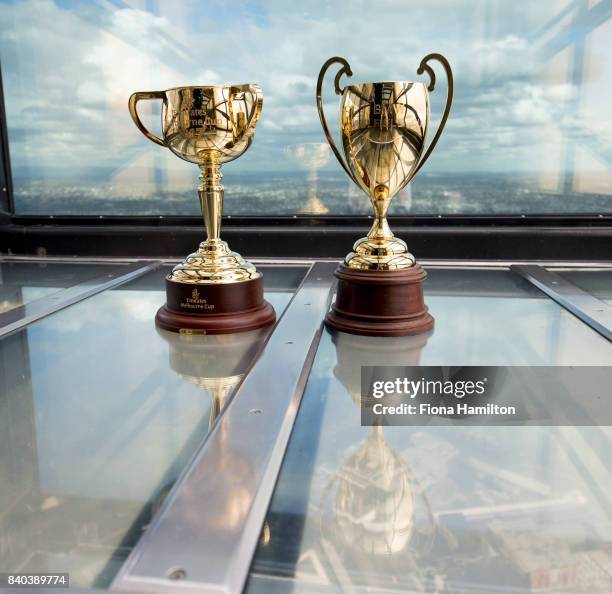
[530, 130]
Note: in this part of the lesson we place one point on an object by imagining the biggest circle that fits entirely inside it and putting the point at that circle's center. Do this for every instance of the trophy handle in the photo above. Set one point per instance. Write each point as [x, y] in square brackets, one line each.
[257, 94]
[346, 69]
[424, 67]
[134, 99]
[243, 128]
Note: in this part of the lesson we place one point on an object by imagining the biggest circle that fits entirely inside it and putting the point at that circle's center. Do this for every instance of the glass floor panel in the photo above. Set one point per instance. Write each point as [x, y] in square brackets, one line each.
[99, 413]
[596, 282]
[23, 282]
[443, 509]
[496, 317]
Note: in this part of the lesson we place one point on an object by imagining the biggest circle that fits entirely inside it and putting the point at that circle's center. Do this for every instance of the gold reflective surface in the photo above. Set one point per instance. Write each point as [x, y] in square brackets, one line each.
[382, 130]
[380, 508]
[383, 127]
[208, 126]
[214, 363]
[374, 506]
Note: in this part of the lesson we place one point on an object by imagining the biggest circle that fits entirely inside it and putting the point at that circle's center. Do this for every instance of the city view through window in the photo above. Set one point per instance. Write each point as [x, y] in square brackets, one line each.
[530, 130]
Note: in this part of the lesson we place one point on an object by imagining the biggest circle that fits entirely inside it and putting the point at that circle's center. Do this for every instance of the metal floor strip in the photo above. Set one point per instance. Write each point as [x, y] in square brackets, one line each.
[19, 317]
[592, 311]
[209, 527]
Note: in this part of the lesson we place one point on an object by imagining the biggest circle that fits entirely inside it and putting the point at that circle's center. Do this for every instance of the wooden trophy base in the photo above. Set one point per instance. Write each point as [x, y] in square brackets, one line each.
[222, 308]
[380, 302]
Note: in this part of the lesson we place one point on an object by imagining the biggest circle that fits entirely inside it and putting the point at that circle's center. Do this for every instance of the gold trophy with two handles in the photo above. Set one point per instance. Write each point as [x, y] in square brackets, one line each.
[383, 129]
[214, 290]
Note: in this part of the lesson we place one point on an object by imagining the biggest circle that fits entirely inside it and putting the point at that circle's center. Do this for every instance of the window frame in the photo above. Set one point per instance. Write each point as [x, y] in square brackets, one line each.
[7, 206]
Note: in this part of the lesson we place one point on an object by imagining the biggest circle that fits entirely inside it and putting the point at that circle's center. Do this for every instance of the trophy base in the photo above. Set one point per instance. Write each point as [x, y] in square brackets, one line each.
[380, 302]
[222, 308]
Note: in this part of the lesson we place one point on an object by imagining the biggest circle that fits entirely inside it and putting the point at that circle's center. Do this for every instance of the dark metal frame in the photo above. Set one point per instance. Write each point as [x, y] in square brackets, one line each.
[301, 220]
[6, 181]
[562, 237]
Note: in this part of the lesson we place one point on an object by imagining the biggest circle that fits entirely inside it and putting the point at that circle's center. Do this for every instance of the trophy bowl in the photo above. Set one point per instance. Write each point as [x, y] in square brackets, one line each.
[200, 121]
[383, 126]
[383, 129]
[214, 290]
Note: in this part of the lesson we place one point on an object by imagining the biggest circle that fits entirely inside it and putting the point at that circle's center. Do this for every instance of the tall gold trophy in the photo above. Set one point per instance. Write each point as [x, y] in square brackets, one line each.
[383, 127]
[214, 291]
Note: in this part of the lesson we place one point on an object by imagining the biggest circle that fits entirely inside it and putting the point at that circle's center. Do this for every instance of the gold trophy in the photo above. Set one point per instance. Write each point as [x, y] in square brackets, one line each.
[383, 127]
[214, 291]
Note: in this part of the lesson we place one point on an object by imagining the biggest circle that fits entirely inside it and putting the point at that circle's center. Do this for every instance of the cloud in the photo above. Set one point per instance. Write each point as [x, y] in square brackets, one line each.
[68, 74]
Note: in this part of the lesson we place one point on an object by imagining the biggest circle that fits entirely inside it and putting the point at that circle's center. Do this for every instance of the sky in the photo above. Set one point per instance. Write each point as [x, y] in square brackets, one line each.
[530, 77]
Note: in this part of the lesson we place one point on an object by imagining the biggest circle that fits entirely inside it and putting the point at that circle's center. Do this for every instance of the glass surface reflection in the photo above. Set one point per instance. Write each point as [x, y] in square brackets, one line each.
[24, 282]
[216, 364]
[495, 317]
[310, 156]
[99, 415]
[443, 509]
[596, 282]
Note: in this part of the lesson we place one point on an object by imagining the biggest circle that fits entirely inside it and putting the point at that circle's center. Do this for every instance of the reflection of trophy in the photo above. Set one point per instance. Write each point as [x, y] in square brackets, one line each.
[216, 364]
[383, 126]
[311, 156]
[380, 519]
[374, 498]
[214, 290]
[354, 352]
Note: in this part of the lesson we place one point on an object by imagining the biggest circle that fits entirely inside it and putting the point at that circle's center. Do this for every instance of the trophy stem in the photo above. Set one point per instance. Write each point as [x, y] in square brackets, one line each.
[211, 197]
[380, 229]
[380, 202]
